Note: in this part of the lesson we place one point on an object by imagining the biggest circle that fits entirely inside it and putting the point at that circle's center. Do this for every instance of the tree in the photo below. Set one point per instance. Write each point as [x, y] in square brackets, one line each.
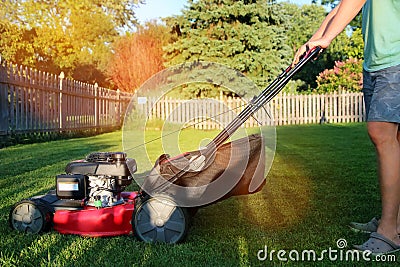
[68, 35]
[136, 57]
[246, 35]
[16, 45]
[331, 3]
[302, 24]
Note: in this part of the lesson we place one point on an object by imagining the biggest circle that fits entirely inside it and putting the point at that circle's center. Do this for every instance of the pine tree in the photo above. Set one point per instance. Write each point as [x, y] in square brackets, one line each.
[246, 35]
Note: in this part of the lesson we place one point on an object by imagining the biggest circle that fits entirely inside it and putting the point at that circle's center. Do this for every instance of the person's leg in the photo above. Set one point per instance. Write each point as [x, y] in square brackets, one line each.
[384, 137]
[382, 102]
[398, 215]
[398, 223]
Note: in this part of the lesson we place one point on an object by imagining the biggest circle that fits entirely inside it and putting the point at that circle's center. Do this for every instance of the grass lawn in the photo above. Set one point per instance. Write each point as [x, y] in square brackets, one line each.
[322, 177]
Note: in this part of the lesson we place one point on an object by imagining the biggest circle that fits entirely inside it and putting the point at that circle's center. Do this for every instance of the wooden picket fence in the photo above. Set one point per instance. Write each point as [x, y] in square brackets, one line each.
[32, 101]
[332, 108]
[37, 102]
[284, 109]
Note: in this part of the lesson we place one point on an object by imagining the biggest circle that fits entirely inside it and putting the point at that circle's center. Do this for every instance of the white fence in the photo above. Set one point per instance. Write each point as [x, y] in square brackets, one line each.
[32, 101]
[284, 109]
[333, 108]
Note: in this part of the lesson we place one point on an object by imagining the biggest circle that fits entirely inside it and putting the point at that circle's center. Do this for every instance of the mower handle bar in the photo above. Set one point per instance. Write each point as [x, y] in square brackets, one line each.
[264, 97]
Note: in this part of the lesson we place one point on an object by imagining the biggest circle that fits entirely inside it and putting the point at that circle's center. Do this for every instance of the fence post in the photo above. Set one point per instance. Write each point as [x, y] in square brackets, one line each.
[4, 122]
[60, 104]
[96, 106]
[118, 115]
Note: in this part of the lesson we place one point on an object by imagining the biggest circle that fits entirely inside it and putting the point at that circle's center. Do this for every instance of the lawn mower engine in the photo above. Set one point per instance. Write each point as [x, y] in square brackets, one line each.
[100, 179]
[89, 200]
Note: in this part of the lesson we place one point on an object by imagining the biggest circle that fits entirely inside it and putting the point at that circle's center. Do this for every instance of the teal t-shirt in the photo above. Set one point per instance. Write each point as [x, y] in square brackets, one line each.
[381, 30]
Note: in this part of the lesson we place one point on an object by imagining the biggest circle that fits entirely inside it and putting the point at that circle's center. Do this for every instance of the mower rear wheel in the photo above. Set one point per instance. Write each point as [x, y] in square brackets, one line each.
[159, 219]
[30, 216]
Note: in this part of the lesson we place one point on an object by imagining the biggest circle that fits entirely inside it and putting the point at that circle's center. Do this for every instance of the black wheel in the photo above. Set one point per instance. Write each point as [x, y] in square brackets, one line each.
[30, 216]
[159, 219]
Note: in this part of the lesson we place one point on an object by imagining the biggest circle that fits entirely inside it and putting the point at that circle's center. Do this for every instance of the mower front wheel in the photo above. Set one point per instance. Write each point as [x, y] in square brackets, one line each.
[30, 216]
[159, 219]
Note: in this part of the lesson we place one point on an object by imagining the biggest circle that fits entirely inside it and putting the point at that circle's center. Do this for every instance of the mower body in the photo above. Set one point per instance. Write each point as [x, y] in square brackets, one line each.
[89, 199]
[75, 217]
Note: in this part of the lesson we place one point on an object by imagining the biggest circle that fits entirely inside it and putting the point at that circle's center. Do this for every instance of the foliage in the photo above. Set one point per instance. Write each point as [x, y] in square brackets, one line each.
[257, 38]
[345, 75]
[197, 90]
[72, 35]
[254, 37]
[308, 19]
[355, 46]
[16, 45]
[331, 3]
[138, 56]
[302, 24]
[244, 35]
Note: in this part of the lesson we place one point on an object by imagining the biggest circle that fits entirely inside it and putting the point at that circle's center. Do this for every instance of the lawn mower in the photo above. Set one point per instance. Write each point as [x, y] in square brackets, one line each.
[90, 197]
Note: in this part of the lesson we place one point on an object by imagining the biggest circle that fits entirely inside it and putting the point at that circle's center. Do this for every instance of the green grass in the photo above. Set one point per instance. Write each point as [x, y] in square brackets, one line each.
[323, 177]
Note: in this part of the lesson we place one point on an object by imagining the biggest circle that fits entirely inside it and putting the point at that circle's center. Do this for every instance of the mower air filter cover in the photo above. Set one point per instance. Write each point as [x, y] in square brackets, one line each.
[72, 186]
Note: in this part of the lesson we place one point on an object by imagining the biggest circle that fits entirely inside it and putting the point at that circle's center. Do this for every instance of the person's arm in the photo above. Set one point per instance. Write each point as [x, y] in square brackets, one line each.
[332, 26]
[320, 32]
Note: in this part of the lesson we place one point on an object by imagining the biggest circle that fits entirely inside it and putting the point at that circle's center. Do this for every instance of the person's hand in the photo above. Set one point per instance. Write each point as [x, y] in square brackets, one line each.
[323, 43]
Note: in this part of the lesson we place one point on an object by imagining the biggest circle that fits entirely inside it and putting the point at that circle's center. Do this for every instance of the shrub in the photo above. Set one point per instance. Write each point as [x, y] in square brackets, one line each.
[345, 75]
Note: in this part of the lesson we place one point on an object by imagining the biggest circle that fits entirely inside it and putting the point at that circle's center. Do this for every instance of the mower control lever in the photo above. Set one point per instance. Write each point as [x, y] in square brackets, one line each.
[197, 163]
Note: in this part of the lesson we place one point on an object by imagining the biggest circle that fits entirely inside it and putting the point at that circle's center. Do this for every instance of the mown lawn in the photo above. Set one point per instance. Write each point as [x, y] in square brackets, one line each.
[323, 177]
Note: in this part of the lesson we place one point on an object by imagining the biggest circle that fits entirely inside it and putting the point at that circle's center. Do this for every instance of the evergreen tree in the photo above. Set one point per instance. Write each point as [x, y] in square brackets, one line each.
[246, 35]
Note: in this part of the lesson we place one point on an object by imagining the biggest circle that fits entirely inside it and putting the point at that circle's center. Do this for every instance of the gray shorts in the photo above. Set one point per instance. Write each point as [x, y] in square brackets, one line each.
[382, 94]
